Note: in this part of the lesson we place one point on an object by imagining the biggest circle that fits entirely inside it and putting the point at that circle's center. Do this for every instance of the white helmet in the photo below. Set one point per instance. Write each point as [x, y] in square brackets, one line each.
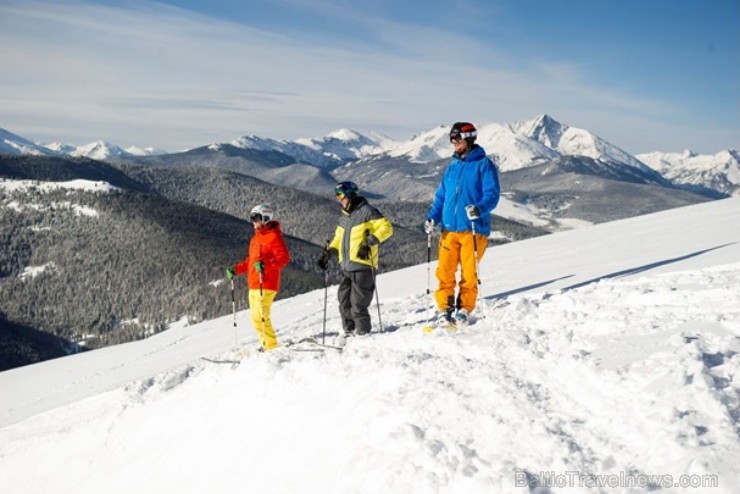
[262, 212]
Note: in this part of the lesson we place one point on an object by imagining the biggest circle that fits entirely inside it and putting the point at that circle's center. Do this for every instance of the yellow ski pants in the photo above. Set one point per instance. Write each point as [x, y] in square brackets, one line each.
[456, 248]
[259, 309]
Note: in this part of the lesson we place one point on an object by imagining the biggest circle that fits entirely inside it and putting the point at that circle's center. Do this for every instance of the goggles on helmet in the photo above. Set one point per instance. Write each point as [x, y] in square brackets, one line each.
[462, 131]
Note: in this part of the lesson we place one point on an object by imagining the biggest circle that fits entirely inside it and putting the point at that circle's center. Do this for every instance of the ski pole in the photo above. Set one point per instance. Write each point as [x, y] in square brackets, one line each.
[475, 253]
[326, 292]
[377, 299]
[233, 309]
[262, 313]
[429, 263]
[429, 270]
[375, 282]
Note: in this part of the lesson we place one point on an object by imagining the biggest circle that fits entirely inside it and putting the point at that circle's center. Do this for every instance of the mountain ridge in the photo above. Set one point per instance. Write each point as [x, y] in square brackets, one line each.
[514, 145]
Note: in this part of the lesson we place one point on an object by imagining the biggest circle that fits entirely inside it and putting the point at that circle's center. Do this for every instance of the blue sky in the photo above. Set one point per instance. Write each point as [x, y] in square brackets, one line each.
[645, 75]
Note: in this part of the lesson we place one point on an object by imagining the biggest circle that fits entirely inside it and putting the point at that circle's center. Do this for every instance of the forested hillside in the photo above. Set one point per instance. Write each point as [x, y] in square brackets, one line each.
[110, 267]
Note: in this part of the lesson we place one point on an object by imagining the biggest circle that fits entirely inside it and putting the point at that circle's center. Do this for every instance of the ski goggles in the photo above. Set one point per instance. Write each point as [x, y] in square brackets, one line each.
[257, 218]
[457, 136]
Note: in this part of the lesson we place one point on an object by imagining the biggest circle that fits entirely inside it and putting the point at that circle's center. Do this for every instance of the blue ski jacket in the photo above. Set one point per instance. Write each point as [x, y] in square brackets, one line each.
[472, 180]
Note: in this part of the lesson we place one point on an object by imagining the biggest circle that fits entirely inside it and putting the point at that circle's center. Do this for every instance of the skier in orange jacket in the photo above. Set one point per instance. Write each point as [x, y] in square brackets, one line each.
[267, 255]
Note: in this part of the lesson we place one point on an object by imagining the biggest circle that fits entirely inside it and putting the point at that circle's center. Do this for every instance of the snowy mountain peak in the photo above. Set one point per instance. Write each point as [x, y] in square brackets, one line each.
[542, 128]
[431, 145]
[345, 135]
[60, 147]
[252, 141]
[147, 151]
[99, 150]
[347, 144]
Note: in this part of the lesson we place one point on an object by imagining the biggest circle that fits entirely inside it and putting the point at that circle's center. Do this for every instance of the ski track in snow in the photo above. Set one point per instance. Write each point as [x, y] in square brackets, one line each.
[408, 412]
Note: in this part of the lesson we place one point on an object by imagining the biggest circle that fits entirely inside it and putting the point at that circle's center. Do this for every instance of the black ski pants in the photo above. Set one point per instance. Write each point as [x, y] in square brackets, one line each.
[355, 296]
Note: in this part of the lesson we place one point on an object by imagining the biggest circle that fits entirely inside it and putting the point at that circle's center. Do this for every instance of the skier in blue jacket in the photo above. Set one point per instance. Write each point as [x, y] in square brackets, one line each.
[462, 206]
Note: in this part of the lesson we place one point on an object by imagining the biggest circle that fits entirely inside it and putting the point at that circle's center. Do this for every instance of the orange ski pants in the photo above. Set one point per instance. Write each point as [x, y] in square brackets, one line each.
[457, 248]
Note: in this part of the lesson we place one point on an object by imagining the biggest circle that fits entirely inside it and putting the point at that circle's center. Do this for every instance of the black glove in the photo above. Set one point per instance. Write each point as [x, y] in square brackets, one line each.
[364, 251]
[323, 261]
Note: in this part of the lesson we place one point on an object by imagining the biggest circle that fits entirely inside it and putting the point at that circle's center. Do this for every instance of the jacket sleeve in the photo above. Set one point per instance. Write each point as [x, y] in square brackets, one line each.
[381, 229]
[242, 266]
[490, 185]
[336, 241]
[435, 211]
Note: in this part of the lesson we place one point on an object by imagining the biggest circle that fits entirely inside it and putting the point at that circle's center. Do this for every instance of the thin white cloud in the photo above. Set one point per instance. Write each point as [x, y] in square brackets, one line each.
[153, 75]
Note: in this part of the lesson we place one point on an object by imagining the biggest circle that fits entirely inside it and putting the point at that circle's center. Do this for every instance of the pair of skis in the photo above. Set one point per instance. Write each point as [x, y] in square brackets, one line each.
[311, 345]
[302, 345]
[449, 326]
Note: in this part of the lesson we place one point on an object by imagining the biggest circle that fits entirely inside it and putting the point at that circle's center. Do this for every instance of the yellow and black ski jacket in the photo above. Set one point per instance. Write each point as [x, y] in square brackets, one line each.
[360, 224]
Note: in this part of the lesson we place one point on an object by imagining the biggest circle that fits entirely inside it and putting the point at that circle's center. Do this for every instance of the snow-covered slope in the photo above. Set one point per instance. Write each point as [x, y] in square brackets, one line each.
[719, 172]
[611, 350]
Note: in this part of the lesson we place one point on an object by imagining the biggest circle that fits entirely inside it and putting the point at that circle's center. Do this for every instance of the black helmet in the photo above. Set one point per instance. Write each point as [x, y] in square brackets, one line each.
[463, 130]
[347, 189]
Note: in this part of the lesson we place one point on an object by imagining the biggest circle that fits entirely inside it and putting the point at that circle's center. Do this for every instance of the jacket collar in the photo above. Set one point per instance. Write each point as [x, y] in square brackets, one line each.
[268, 227]
[355, 204]
[475, 154]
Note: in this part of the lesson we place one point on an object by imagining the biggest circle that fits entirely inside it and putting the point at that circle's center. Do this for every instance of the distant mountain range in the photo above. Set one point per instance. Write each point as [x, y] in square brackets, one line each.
[514, 146]
[99, 150]
[718, 172]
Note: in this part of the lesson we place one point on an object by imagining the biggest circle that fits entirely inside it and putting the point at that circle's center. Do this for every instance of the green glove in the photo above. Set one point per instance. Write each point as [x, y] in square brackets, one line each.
[259, 267]
[230, 273]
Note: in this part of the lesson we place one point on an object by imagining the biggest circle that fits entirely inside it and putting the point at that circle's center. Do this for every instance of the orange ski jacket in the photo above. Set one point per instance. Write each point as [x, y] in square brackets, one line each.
[267, 245]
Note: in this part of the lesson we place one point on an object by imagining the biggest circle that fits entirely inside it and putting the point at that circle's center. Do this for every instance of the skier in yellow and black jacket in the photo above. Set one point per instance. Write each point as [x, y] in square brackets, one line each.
[360, 230]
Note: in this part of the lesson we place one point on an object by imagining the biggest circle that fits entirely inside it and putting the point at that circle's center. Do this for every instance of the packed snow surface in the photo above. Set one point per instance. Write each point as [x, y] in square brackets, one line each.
[603, 359]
